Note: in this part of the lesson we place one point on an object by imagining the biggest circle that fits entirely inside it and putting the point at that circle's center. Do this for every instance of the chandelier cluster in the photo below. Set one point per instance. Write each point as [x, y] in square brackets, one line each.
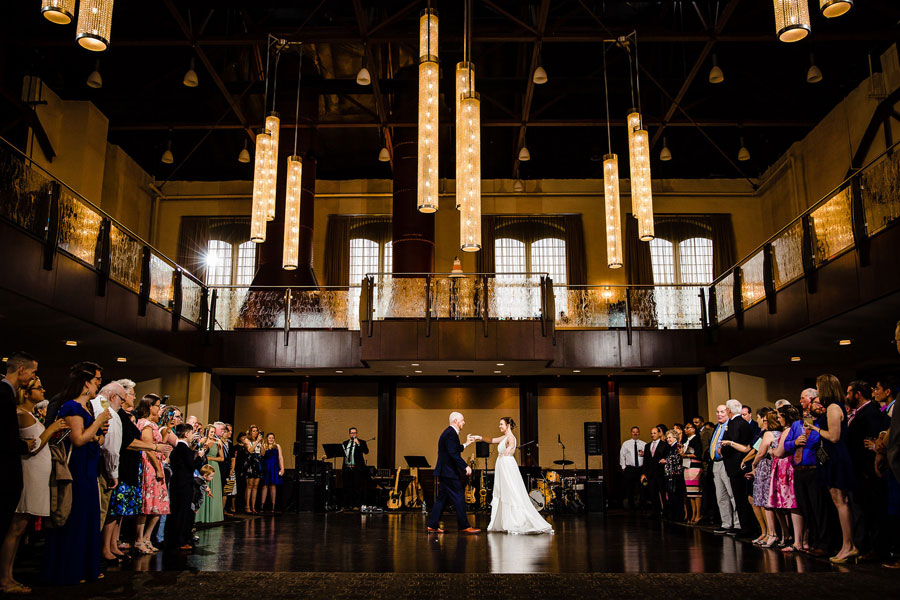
[792, 22]
[94, 20]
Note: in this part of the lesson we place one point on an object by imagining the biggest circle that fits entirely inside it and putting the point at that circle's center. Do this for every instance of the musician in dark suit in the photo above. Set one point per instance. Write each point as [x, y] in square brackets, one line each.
[184, 461]
[739, 432]
[355, 473]
[20, 370]
[653, 472]
[449, 470]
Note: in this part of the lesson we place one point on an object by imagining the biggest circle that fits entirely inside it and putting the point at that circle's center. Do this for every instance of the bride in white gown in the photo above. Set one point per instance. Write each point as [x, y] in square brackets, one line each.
[511, 508]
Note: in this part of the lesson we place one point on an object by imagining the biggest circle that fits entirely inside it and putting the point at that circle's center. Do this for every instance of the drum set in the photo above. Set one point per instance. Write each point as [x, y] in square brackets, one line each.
[554, 492]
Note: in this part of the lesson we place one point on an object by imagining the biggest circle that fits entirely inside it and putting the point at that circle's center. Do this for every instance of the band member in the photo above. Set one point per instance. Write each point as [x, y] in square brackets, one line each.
[354, 472]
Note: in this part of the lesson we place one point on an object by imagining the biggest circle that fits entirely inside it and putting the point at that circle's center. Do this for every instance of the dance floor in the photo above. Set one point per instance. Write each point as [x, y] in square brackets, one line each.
[389, 556]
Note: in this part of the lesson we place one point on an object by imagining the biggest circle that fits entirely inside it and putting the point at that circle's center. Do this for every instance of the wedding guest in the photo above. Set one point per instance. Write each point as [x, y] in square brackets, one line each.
[227, 456]
[127, 499]
[654, 474]
[72, 552]
[202, 491]
[692, 455]
[109, 398]
[252, 466]
[20, 370]
[184, 462]
[155, 500]
[782, 494]
[34, 501]
[753, 475]
[273, 469]
[631, 459]
[740, 432]
[806, 397]
[724, 494]
[762, 475]
[237, 470]
[59, 399]
[835, 472]
[678, 428]
[212, 512]
[885, 392]
[674, 471]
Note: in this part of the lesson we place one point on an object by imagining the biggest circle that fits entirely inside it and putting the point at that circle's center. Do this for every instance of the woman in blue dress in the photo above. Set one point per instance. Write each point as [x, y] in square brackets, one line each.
[73, 550]
[273, 469]
[835, 470]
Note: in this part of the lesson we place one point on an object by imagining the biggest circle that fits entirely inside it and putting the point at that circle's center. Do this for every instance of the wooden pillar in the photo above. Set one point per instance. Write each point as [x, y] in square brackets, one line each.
[306, 403]
[689, 403]
[227, 400]
[528, 422]
[612, 474]
[387, 423]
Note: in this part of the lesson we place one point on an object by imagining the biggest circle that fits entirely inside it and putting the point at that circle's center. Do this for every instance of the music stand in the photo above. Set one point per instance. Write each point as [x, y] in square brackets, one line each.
[333, 451]
[417, 462]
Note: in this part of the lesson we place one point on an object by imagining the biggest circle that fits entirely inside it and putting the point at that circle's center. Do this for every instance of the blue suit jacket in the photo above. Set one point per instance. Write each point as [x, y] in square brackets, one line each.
[450, 464]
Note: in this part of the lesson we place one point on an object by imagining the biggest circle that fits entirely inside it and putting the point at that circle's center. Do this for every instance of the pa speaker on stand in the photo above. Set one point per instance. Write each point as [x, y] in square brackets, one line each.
[593, 489]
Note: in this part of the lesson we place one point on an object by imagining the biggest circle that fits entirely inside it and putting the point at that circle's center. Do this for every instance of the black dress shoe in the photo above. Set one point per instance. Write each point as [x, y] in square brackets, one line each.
[733, 532]
[720, 531]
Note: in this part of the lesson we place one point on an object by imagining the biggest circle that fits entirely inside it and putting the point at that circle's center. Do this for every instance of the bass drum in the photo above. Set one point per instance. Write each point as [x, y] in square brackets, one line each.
[537, 498]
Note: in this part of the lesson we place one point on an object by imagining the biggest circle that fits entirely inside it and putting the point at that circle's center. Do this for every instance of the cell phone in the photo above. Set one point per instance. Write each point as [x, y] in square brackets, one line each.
[58, 437]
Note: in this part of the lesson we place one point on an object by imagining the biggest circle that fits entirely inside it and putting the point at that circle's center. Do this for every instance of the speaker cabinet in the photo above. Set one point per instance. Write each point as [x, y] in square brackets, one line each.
[592, 438]
[306, 494]
[307, 437]
[593, 491]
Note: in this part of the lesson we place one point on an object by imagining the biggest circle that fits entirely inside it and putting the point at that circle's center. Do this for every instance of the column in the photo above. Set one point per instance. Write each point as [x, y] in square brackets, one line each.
[387, 423]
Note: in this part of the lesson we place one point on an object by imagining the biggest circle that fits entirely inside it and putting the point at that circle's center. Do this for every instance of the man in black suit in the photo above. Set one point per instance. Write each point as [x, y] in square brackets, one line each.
[354, 472]
[654, 471]
[184, 462]
[448, 471]
[21, 368]
[740, 432]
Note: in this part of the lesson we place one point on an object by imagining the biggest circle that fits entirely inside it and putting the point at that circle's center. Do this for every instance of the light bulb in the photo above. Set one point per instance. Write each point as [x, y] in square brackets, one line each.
[540, 76]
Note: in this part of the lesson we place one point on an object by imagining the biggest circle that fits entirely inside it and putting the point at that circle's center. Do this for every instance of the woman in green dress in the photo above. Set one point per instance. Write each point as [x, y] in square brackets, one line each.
[211, 509]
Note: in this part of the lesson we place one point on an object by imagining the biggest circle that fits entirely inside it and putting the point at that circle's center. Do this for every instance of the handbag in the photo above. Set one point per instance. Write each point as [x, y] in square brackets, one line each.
[821, 454]
[60, 486]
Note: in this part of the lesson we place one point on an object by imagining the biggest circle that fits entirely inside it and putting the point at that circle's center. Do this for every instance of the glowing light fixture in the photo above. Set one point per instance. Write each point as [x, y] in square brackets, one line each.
[540, 75]
[384, 155]
[244, 156]
[639, 159]
[261, 181]
[814, 74]
[665, 154]
[464, 70]
[791, 20]
[427, 170]
[71, 343]
[524, 154]
[835, 8]
[95, 80]
[743, 153]
[190, 77]
[167, 156]
[715, 73]
[795, 359]
[273, 125]
[518, 185]
[469, 187]
[122, 359]
[94, 24]
[292, 213]
[613, 215]
[60, 12]
[845, 342]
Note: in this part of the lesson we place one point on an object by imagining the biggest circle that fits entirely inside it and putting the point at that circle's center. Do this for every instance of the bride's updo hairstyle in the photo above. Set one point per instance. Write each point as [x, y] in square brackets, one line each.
[509, 422]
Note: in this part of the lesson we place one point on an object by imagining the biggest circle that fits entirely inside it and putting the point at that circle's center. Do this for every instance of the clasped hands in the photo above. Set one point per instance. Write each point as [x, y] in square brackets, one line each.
[472, 438]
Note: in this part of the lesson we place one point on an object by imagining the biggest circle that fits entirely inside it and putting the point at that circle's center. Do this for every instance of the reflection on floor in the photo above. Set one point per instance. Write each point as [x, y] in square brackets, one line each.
[397, 543]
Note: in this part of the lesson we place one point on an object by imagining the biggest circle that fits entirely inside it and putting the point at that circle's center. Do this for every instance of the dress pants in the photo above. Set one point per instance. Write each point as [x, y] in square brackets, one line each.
[656, 493]
[744, 519]
[725, 497]
[449, 490]
[354, 479]
[811, 502]
[708, 506]
[631, 478]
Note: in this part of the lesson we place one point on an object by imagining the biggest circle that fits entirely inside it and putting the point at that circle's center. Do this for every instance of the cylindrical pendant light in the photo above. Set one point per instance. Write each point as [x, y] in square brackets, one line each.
[639, 159]
[260, 192]
[427, 172]
[463, 71]
[791, 20]
[834, 8]
[94, 24]
[469, 185]
[613, 214]
[273, 125]
[292, 213]
[61, 12]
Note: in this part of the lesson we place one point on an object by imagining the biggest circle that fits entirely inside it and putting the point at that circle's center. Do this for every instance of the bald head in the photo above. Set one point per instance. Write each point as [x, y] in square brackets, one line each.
[457, 420]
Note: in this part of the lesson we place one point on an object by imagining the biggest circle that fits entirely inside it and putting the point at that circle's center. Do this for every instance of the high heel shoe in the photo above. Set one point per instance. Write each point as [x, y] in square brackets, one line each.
[769, 544]
[852, 557]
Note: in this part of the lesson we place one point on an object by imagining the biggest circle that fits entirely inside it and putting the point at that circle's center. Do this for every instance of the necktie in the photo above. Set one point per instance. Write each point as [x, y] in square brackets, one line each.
[798, 454]
[351, 449]
[717, 436]
[635, 454]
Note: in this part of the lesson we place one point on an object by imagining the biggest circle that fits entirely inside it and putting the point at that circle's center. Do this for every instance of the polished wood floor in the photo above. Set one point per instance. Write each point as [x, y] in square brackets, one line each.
[379, 543]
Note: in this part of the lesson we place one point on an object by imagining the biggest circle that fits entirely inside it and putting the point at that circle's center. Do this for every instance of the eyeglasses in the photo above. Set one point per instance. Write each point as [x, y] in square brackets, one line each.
[37, 389]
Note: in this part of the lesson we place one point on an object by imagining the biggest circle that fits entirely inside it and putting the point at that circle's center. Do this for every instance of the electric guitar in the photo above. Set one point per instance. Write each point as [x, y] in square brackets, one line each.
[413, 496]
[395, 500]
[470, 489]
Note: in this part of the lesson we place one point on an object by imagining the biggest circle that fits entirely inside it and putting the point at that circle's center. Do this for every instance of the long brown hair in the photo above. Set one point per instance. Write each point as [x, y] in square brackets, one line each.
[772, 423]
[829, 388]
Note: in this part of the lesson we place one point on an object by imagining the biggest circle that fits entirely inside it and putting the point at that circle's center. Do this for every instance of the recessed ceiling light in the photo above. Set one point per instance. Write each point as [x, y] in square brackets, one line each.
[5, 358]
[415, 365]
[795, 359]
[122, 359]
[417, 371]
[845, 342]
[500, 364]
[655, 371]
[498, 371]
[338, 371]
[576, 370]
[71, 343]
[261, 372]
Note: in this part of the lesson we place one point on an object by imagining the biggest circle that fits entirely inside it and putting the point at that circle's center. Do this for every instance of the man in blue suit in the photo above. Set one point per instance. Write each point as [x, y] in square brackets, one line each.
[449, 469]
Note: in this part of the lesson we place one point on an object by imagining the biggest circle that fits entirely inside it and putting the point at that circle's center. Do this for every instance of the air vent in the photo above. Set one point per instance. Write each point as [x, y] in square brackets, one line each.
[460, 370]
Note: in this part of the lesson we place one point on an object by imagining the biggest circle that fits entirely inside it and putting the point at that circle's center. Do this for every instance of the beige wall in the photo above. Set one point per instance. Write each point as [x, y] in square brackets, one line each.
[270, 409]
[562, 411]
[422, 413]
[339, 407]
[646, 406]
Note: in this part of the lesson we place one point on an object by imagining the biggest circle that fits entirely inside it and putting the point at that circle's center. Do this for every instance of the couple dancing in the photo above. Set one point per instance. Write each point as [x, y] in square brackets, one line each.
[511, 508]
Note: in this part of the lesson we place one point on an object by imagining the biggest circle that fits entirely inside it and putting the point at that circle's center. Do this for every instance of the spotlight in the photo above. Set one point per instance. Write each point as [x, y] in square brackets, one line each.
[540, 76]
[715, 74]
[122, 359]
[167, 156]
[743, 153]
[845, 342]
[363, 77]
[244, 156]
[814, 74]
[94, 80]
[524, 154]
[71, 343]
[795, 359]
[190, 78]
[665, 154]
[384, 155]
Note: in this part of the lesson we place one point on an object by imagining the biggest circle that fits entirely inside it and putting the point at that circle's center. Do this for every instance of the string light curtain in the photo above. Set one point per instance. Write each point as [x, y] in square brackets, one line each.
[94, 24]
[469, 185]
[639, 157]
[427, 171]
[61, 12]
[261, 181]
[273, 125]
[464, 71]
[791, 20]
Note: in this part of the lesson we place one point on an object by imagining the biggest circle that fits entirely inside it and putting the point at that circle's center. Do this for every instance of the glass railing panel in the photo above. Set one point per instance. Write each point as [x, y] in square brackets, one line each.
[79, 228]
[515, 297]
[399, 298]
[191, 298]
[125, 264]
[162, 282]
[725, 298]
[590, 307]
[666, 307]
[832, 226]
[321, 309]
[880, 189]
[752, 280]
[24, 193]
[456, 297]
[787, 250]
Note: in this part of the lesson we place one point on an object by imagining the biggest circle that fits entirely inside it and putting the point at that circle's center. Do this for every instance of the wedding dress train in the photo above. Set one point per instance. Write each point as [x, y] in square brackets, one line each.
[511, 508]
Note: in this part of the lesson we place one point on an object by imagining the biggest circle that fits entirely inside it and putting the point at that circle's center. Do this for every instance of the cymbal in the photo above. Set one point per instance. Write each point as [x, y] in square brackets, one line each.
[564, 462]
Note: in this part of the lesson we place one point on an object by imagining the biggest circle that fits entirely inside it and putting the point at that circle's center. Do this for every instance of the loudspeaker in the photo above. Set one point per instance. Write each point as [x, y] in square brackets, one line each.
[307, 437]
[482, 450]
[593, 491]
[306, 495]
[592, 438]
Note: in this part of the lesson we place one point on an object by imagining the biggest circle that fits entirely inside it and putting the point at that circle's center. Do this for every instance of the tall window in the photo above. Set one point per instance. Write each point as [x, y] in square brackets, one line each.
[517, 298]
[689, 261]
[366, 256]
[230, 264]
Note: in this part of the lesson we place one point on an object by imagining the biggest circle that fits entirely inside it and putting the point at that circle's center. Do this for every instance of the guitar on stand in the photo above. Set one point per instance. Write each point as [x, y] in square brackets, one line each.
[395, 500]
[470, 489]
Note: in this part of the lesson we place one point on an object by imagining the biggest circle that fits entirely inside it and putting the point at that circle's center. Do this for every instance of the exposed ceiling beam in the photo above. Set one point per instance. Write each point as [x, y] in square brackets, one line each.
[692, 74]
[500, 11]
[186, 31]
[363, 22]
[543, 12]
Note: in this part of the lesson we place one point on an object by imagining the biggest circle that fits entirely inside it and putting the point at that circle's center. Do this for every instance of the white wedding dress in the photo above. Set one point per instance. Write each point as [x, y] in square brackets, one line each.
[511, 508]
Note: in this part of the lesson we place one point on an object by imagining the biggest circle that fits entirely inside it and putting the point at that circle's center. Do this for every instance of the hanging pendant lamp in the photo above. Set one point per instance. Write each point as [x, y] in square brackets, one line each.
[94, 24]
[611, 199]
[260, 193]
[273, 126]
[835, 8]
[427, 169]
[469, 185]
[791, 20]
[290, 254]
[639, 159]
[464, 70]
[61, 12]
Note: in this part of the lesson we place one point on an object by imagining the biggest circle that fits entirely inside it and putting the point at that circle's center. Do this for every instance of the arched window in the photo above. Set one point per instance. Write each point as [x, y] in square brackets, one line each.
[695, 260]
[690, 261]
[230, 264]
